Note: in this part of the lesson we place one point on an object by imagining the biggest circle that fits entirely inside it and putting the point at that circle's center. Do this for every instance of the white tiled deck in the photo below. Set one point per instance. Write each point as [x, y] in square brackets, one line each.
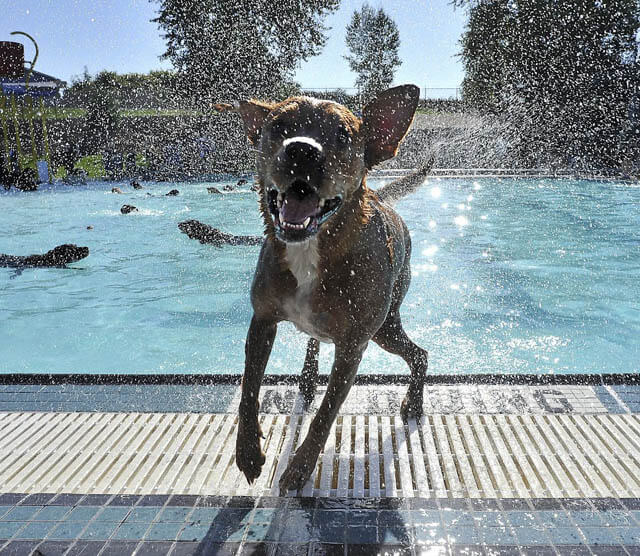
[477, 455]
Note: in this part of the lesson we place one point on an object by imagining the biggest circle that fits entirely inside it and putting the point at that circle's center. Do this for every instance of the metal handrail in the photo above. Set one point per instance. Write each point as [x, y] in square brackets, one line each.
[35, 58]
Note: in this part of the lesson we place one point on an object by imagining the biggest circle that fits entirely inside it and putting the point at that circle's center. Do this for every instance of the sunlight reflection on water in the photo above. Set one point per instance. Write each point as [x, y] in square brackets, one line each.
[535, 276]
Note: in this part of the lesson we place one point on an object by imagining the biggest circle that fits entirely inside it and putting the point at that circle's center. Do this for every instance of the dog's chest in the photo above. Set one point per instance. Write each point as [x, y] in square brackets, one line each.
[298, 309]
[303, 262]
[303, 259]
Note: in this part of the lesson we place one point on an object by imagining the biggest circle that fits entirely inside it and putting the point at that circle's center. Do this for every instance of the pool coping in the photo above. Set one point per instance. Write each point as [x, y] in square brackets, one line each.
[507, 173]
[54, 378]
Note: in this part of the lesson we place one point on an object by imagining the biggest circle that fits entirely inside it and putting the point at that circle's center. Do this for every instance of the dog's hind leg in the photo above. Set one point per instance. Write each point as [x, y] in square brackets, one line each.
[343, 373]
[392, 338]
[309, 375]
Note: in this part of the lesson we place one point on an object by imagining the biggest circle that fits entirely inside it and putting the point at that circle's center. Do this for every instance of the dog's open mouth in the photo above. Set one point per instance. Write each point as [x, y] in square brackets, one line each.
[300, 211]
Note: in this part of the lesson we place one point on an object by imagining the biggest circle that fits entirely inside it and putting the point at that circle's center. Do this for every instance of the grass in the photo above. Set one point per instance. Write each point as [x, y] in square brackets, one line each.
[66, 113]
[432, 112]
[158, 112]
[52, 113]
[92, 165]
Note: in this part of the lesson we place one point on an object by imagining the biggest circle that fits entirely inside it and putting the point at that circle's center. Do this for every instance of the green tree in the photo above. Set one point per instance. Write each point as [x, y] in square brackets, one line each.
[157, 89]
[233, 50]
[484, 54]
[102, 120]
[563, 73]
[373, 41]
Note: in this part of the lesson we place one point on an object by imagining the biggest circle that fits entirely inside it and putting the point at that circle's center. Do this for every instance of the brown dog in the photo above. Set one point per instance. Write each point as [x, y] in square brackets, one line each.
[335, 260]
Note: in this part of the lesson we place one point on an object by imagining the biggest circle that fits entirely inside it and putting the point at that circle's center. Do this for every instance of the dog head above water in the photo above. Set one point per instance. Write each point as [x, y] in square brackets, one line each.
[313, 155]
[65, 254]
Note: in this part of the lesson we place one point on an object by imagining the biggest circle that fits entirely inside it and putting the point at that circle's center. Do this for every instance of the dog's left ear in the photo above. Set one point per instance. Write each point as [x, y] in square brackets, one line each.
[253, 114]
[386, 121]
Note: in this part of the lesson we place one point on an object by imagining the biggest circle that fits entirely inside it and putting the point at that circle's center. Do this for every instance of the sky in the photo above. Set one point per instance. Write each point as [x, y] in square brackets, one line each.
[118, 35]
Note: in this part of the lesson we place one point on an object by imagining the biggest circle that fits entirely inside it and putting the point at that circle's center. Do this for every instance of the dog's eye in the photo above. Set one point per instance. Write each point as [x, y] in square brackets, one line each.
[344, 137]
[279, 129]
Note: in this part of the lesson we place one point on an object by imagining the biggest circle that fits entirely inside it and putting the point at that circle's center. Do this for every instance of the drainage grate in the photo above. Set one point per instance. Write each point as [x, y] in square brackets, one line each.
[472, 455]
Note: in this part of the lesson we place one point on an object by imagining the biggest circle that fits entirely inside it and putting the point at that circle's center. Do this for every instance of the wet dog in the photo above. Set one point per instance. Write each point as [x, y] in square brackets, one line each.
[58, 257]
[335, 261]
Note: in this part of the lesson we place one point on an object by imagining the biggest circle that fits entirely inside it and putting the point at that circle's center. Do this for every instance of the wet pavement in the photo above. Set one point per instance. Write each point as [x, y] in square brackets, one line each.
[181, 524]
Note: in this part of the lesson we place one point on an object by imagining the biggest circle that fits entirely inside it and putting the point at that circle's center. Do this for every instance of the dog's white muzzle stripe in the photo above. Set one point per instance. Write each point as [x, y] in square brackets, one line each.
[302, 139]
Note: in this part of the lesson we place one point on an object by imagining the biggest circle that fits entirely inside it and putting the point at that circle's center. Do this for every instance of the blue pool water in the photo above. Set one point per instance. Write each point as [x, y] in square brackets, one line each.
[511, 276]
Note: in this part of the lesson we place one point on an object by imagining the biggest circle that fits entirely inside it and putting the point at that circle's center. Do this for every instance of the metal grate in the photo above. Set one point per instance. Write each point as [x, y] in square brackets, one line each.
[443, 455]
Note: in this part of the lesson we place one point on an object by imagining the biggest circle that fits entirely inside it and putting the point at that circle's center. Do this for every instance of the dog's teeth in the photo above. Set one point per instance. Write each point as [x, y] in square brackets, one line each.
[321, 203]
[292, 226]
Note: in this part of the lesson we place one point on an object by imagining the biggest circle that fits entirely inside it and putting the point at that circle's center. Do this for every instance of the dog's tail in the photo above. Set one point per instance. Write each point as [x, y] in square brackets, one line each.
[206, 234]
[203, 233]
[405, 185]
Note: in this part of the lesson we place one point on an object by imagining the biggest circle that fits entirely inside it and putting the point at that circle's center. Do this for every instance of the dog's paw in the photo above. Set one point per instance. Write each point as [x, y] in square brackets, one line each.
[411, 407]
[249, 456]
[298, 471]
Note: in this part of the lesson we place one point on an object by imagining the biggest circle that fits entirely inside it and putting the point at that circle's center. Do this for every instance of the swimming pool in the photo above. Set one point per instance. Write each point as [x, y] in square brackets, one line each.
[509, 276]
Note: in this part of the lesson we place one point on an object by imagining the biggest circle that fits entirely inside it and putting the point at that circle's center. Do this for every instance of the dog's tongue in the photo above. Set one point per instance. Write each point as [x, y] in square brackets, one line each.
[295, 210]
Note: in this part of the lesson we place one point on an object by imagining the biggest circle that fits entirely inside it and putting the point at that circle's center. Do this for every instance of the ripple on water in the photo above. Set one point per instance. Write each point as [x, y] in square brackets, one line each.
[545, 280]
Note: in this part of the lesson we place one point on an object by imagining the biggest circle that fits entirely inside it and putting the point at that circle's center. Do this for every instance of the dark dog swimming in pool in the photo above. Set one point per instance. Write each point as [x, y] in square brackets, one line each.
[58, 257]
[335, 260]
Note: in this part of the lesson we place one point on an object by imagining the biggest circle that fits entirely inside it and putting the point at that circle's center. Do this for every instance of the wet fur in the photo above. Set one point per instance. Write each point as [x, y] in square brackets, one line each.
[362, 273]
[58, 257]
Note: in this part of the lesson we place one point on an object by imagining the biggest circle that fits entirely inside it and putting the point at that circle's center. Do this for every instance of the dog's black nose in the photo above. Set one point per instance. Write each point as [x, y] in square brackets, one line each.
[303, 151]
[301, 188]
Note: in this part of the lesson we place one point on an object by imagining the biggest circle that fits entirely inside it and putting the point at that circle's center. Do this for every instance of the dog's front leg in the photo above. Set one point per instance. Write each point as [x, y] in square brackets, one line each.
[249, 456]
[342, 376]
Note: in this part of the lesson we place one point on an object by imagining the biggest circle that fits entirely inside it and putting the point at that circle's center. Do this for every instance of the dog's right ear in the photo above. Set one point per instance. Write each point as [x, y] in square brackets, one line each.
[253, 114]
